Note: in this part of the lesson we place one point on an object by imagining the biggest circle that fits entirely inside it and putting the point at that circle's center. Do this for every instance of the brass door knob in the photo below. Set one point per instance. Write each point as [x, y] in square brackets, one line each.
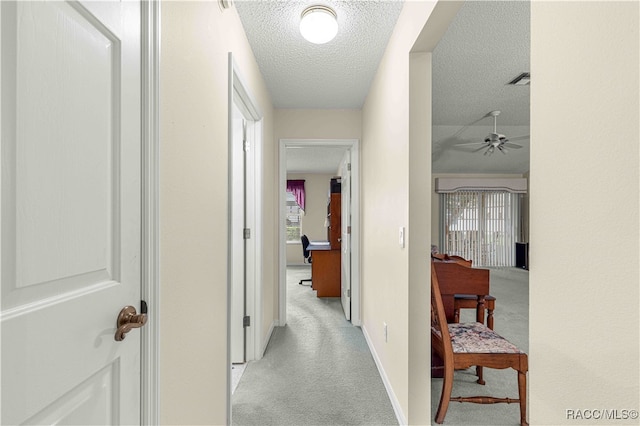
[128, 319]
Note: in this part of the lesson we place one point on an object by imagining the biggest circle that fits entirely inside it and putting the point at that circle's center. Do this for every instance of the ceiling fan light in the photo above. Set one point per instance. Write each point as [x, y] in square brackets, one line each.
[319, 24]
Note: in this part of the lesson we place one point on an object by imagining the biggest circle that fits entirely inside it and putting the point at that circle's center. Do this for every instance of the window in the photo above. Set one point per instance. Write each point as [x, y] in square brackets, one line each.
[481, 226]
[293, 220]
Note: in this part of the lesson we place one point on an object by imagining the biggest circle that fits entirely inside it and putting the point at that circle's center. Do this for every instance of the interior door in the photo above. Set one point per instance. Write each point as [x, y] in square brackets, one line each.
[238, 282]
[71, 217]
[345, 233]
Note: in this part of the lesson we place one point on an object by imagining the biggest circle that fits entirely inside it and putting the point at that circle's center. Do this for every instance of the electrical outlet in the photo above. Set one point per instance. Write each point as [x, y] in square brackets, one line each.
[385, 331]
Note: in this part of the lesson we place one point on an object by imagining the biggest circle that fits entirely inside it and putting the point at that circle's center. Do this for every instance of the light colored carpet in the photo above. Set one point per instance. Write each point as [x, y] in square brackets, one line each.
[317, 370]
[510, 287]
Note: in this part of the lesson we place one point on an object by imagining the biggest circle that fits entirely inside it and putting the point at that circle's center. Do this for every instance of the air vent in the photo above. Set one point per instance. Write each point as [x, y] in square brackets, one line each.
[521, 80]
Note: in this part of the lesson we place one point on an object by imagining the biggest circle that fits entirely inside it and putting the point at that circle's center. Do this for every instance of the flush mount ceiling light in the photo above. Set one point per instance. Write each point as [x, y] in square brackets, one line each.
[319, 24]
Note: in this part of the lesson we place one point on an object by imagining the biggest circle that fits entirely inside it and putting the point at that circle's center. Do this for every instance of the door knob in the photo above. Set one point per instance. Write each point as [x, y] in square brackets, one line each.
[128, 319]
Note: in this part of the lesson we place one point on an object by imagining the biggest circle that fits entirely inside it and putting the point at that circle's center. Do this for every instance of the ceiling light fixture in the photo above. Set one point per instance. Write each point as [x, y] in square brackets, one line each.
[319, 24]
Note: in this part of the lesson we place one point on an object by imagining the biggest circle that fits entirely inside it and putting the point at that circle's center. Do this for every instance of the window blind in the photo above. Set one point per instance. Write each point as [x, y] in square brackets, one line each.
[481, 226]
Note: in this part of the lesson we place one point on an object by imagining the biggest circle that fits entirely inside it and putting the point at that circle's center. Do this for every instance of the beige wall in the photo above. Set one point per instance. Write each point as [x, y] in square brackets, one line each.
[316, 187]
[318, 124]
[578, 100]
[389, 176]
[195, 41]
[584, 277]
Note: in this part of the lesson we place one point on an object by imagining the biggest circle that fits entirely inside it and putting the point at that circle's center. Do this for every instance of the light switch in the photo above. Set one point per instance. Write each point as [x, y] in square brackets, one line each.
[401, 237]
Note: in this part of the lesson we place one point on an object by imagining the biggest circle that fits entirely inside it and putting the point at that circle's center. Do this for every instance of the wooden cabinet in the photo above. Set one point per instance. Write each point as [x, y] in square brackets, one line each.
[333, 218]
[325, 272]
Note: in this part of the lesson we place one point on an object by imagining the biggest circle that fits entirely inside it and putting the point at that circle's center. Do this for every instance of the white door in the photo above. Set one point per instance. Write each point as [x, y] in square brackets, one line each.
[345, 242]
[238, 282]
[71, 217]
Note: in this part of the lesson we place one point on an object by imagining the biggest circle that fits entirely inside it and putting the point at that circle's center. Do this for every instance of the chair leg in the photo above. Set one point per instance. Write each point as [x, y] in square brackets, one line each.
[447, 387]
[479, 373]
[490, 318]
[522, 394]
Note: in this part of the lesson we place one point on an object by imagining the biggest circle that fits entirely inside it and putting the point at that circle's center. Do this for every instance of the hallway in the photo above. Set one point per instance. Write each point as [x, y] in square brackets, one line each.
[317, 370]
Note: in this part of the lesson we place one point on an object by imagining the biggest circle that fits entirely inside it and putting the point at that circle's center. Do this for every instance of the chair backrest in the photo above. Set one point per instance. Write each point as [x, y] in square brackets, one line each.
[305, 245]
[440, 337]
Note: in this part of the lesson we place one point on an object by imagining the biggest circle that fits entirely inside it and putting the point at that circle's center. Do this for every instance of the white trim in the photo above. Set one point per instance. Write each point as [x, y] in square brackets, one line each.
[395, 403]
[240, 95]
[150, 350]
[354, 146]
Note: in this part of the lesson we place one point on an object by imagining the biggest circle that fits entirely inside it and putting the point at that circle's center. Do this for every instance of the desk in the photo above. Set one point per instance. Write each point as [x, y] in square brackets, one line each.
[457, 279]
[325, 269]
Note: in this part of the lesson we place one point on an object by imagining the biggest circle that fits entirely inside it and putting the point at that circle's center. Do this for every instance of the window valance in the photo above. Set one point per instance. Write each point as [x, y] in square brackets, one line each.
[449, 185]
[296, 187]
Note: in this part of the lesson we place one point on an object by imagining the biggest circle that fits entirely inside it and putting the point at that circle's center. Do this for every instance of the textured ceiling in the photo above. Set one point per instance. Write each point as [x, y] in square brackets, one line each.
[300, 74]
[485, 47]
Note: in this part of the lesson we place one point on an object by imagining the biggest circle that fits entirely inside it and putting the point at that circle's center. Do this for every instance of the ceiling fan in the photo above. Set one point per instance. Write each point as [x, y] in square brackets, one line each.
[495, 140]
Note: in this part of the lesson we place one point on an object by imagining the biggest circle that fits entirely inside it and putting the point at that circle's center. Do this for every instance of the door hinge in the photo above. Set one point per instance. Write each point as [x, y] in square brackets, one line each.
[246, 233]
[349, 166]
[246, 321]
[144, 309]
[349, 229]
[246, 146]
[348, 292]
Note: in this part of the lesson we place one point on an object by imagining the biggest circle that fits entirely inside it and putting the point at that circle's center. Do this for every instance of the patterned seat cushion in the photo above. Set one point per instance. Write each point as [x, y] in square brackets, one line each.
[474, 337]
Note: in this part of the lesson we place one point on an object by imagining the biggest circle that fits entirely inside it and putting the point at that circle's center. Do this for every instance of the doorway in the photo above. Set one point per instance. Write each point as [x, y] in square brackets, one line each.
[244, 290]
[351, 291]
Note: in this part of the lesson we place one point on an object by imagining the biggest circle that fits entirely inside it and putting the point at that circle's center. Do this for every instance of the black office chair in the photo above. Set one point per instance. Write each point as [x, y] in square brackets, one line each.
[306, 253]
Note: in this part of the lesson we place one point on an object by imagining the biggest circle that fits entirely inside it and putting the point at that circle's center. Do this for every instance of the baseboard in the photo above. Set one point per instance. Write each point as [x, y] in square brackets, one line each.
[392, 396]
[268, 337]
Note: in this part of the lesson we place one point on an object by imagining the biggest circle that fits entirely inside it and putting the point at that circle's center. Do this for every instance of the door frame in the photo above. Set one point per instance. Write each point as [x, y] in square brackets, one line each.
[239, 94]
[150, 256]
[354, 146]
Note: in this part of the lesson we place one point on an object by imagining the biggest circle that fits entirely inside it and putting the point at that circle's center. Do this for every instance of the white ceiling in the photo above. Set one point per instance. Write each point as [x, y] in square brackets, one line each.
[300, 74]
[485, 47]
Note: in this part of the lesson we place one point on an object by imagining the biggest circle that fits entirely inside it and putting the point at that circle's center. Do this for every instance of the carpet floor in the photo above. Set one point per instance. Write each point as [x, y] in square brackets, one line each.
[317, 370]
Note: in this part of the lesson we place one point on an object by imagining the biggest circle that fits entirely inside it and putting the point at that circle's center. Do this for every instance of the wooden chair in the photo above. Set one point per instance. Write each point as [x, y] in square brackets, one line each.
[470, 301]
[462, 345]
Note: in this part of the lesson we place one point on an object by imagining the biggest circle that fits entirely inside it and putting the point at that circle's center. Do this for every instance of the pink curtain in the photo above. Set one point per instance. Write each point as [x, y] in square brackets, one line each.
[296, 187]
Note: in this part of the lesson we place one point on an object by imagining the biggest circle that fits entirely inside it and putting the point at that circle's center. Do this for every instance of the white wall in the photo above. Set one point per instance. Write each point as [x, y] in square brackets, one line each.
[584, 277]
[195, 41]
[316, 187]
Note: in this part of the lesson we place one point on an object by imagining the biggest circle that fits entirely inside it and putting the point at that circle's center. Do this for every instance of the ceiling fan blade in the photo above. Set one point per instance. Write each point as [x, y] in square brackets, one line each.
[519, 138]
[503, 150]
[470, 143]
[480, 148]
[511, 145]
[489, 150]
[465, 127]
